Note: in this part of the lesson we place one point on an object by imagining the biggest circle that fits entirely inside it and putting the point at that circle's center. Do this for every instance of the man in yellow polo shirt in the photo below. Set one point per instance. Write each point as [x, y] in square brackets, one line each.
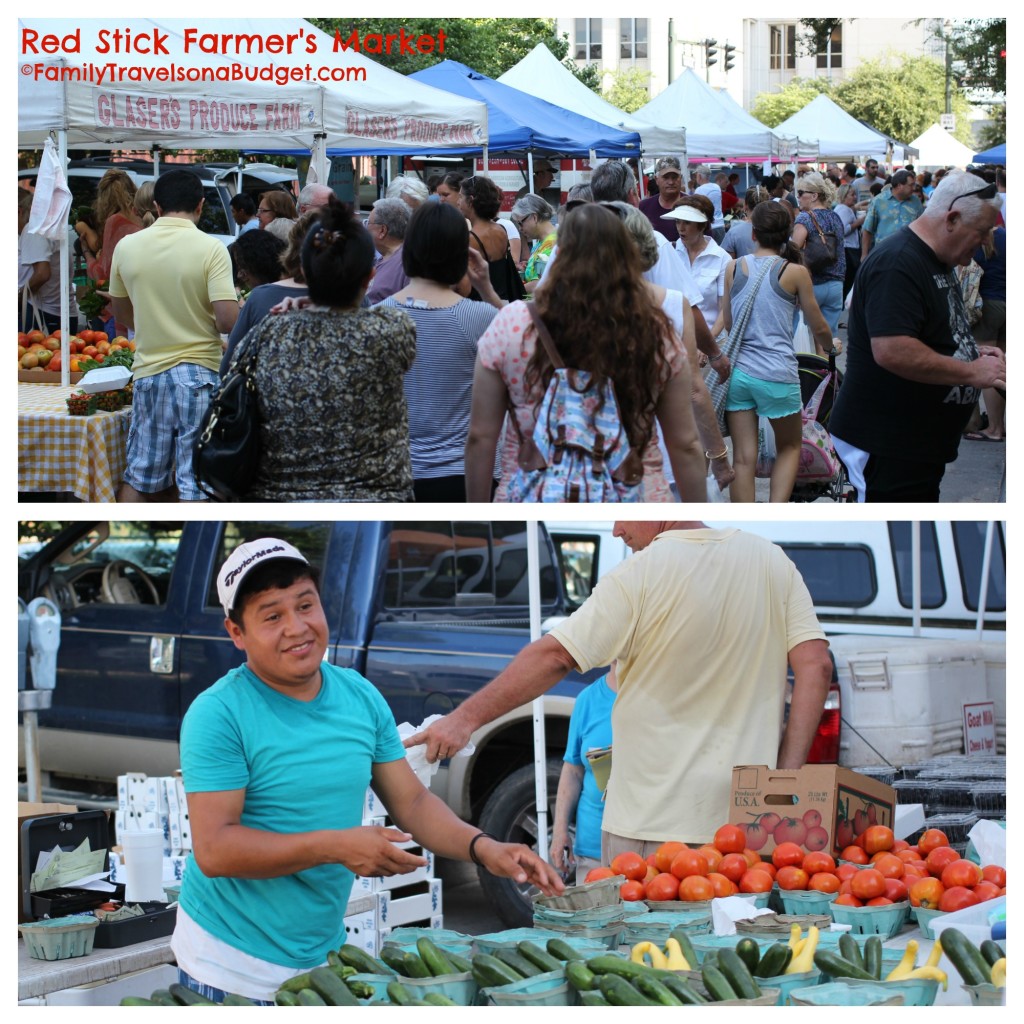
[173, 285]
[702, 622]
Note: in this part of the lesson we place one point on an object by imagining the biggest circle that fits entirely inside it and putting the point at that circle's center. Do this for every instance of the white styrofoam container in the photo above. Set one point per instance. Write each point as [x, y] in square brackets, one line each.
[110, 993]
[903, 697]
[105, 378]
[367, 929]
[403, 910]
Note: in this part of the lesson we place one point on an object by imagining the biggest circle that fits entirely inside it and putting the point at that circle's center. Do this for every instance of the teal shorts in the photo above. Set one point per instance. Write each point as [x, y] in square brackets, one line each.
[766, 397]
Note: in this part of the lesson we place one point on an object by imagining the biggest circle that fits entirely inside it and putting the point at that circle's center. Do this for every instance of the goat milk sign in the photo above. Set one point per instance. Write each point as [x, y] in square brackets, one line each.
[980, 728]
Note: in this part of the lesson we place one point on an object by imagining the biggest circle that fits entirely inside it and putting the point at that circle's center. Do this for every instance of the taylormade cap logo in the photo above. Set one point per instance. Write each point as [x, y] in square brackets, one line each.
[245, 558]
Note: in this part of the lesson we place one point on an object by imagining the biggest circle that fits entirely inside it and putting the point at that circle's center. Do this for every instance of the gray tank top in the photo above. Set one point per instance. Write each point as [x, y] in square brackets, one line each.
[767, 350]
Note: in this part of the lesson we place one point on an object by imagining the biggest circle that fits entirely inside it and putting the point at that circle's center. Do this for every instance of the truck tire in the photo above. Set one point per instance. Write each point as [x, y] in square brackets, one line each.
[510, 815]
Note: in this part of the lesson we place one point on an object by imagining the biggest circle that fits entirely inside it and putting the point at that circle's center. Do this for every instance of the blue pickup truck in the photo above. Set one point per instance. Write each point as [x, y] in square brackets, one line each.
[428, 611]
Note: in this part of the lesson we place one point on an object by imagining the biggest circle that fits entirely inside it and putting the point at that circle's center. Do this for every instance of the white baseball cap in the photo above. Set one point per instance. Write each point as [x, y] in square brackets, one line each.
[247, 557]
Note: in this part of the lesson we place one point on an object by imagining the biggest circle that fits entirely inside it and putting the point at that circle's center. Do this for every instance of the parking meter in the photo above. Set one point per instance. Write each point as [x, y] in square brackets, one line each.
[44, 639]
[22, 642]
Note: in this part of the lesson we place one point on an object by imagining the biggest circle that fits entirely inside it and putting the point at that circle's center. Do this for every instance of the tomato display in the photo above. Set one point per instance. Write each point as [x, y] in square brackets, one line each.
[939, 858]
[926, 892]
[818, 861]
[878, 839]
[688, 862]
[824, 881]
[787, 855]
[792, 877]
[632, 865]
[712, 855]
[730, 839]
[733, 866]
[995, 874]
[664, 854]
[931, 839]
[957, 898]
[663, 887]
[632, 891]
[755, 881]
[694, 888]
[845, 899]
[888, 864]
[960, 872]
[596, 874]
[854, 854]
[722, 886]
[867, 884]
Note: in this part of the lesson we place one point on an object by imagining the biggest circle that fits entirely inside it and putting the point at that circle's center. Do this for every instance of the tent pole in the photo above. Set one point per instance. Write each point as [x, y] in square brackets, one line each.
[986, 562]
[915, 574]
[641, 178]
[485, 159]
[156, 161]
[65, 277]
[540, 767]
[529, 170]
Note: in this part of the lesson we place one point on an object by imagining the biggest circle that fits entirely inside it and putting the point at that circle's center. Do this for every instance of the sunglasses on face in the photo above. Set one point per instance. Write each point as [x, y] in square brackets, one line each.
[799, 193]
[985, 192]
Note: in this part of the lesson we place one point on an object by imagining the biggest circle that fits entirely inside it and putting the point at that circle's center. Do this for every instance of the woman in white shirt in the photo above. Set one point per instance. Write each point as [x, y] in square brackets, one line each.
[706, 259]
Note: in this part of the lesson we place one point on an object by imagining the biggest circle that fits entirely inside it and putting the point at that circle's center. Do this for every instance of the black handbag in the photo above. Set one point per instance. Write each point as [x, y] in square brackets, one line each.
[820, 251]
[227, 451]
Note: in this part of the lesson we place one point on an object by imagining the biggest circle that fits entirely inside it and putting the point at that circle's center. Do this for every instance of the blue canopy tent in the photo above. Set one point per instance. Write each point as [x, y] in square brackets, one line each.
[995, 155]
[519, 122]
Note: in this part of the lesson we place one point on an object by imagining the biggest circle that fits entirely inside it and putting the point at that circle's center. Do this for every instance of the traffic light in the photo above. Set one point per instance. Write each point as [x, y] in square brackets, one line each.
[727, 54]
[710, 52]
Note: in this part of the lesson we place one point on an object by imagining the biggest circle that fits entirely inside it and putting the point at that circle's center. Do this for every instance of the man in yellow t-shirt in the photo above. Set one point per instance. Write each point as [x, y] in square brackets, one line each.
[174, 286]
[703, 623]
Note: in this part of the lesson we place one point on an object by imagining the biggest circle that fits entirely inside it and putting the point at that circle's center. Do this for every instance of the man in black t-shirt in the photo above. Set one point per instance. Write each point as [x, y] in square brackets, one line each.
[913, 369]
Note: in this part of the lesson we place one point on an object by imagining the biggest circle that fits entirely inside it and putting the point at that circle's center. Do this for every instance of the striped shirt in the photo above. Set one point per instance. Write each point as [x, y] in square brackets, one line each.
[439, 384]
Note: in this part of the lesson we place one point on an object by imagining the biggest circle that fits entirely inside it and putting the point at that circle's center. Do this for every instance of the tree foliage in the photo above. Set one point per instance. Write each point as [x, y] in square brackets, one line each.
[814, 34]
[488, 45]
[994, 133]
[902, 96]
[627, 89]
[978, 48]
[772, 108]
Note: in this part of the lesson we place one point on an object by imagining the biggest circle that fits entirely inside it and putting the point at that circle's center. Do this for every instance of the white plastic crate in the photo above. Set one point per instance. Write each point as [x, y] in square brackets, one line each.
[414, 903]
[366, 929]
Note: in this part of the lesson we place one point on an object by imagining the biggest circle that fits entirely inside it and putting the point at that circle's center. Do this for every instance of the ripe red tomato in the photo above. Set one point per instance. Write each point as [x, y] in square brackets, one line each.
[596, 874]
[844, 872]
[792, 877]
[926, 892]
[722, 886]
[632, 891]
[961, 872]
[818, 861]
[733, 866]
[787, 854]
[664, 854]
[878, 839]
[879, 901]
[931, 839]
[712, 855]
[986, 891]
[854, 854]
[663, 887]
[630, 864]
[754, 880]
[939, 858]
[957, 898]
[867, 884]
[688, 862]
[889, 864]
[824, 881]
[730, 839]
[995, 874]
[694, 888]
[845, 899]
[896, 889]
[900, 844]
[753, 857]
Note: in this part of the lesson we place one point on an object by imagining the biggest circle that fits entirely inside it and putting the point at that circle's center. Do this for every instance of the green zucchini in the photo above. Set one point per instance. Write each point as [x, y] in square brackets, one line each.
[593, 999]
[460, 963]
[750, 953]
[539, 957]
[520, 964]
[561, 950]
[184, 996]
[606, 963]
[873, 956]
[360, 989]
[649, 986]
[361, 960]
[490, 972]
[775, 961]
[437, 999]
[333, 960]
[839, 967]
[849, 949]
[163, 998]
[296, 983]
[579, 976]
[681, 988]
[620, 992]
[310, 997]
[989, 949]
[404, 962]
[682, 936]
[716, 983]
[331, 988]
[398, 993]
[736, 972]
[966, 957]
[282, 997]
[137, 1001]
[434, 957]
[233, 999]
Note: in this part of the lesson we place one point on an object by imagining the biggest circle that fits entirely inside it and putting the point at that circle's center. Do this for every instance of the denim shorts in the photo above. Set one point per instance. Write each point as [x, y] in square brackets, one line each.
[216, 994]
[768, 397]
[167, 410]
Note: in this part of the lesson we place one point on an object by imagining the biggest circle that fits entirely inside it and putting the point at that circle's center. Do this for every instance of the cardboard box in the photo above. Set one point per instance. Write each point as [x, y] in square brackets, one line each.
[32, 810]
[46, 376]
[422, 902]
[367, 929]
[819, 806]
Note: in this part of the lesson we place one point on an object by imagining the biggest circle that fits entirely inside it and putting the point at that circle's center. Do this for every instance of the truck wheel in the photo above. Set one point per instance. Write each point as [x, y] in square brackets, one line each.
[510, 815]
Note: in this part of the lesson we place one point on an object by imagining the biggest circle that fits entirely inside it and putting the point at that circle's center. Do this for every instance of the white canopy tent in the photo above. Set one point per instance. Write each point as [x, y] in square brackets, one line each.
[839, 134]
[540, 74]
[937, 148]
[798, 149]
[714, 130]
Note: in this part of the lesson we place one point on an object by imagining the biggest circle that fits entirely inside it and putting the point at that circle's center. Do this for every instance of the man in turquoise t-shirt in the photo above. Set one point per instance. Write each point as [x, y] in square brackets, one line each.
[276, 758]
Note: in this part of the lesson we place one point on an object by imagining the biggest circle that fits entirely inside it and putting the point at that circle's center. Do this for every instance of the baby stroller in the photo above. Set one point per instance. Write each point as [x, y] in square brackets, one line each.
[821, 474]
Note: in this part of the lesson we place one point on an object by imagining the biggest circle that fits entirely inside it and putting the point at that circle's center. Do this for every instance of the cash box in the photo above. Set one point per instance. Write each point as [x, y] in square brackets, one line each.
[69, 831]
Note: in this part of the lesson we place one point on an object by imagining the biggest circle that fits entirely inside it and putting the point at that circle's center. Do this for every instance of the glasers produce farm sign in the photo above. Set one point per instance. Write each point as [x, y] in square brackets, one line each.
[124, 109]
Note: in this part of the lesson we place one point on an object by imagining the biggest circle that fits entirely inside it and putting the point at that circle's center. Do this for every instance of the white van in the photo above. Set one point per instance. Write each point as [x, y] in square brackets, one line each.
[902, 685]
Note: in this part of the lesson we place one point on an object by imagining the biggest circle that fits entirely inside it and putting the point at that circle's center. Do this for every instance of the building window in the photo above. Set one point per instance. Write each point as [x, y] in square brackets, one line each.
[783, 48]
[633, 38]
[588, 39]
[833, 55]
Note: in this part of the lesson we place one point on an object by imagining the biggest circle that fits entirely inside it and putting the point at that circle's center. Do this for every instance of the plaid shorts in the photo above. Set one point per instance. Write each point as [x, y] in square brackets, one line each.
[167, 410]
[216, 994]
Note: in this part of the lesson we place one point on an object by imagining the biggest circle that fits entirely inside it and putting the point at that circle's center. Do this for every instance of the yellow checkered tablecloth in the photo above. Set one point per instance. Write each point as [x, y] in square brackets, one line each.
[57, 452]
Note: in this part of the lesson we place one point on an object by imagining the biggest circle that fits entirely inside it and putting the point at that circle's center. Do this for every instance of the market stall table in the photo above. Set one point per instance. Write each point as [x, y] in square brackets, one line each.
[84, 455]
